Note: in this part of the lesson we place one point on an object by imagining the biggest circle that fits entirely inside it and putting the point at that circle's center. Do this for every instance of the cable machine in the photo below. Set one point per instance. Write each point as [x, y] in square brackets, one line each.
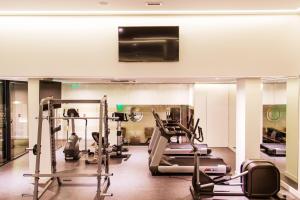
[102, 174]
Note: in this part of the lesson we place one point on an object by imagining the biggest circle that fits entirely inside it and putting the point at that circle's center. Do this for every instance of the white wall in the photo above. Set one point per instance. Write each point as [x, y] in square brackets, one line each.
[130, 94]
[292, 128]
[211, 106]
[274, 93]
[239, 45]
[139, 94]
[231, 115]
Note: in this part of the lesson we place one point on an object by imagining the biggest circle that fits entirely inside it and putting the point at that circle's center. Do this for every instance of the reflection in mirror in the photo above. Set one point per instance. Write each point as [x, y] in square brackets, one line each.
[140, 130]
[279, 144]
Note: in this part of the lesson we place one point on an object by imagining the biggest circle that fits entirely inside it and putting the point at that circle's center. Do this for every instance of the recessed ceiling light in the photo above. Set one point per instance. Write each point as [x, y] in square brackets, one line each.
[154, 3]
[103, 3]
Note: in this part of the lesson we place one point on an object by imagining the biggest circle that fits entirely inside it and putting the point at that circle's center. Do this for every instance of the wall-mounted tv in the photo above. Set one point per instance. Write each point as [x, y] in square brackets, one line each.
[149, 44]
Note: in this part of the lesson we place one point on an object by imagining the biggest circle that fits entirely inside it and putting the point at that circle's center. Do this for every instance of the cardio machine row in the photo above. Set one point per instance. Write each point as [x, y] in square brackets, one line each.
[257, 178]
[164, 159]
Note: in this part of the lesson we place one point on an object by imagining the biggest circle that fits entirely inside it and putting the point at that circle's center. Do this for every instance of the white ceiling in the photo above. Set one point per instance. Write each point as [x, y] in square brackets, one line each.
[140, 5]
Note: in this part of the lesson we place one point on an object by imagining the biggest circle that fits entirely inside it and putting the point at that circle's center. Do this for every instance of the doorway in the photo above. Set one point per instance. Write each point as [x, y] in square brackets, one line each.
[13, 120]
[18, 118]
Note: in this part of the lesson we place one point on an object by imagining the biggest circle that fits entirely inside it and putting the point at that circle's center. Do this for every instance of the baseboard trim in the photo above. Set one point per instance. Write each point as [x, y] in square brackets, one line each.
[291, 176]
[290, 189]
[232, 149]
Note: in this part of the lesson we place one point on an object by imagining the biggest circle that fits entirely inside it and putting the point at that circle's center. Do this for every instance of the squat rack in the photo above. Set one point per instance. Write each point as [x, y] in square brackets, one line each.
[49, 104]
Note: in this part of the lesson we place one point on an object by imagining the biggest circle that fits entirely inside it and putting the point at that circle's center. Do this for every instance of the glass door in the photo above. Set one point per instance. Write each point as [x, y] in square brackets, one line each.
[18, 118]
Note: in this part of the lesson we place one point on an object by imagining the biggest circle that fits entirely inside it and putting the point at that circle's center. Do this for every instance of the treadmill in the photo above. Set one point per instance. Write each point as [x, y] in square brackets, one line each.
[160, 164]
[274, 143]
[274, 149]
[178, 149]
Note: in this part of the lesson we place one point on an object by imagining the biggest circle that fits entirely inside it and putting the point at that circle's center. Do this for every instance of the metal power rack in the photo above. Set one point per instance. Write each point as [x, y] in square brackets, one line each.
[49, 104]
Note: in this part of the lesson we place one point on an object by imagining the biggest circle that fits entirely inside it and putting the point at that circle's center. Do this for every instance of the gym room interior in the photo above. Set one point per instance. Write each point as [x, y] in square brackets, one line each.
[153, 100]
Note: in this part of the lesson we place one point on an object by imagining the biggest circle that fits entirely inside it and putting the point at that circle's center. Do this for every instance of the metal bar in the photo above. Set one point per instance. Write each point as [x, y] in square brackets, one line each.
[49, 102]
[85, 136]
[106, 184]
[106, 133]
[106, 194]
[85, 118]
[56, 129]
[196, 168]
[66, 101]
[38, 150]
[66, 175]
[45, 188]
[52, 138]
[239, 175]
[206, 185]
[66, 118]
[99, 170]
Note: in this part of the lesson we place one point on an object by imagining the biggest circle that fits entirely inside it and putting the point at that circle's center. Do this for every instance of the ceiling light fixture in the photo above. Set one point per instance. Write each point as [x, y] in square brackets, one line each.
[103, 3]
[153, 3]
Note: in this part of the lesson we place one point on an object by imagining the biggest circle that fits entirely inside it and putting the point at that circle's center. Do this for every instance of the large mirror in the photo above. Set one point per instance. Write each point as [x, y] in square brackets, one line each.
[139, 132]
[279, 142]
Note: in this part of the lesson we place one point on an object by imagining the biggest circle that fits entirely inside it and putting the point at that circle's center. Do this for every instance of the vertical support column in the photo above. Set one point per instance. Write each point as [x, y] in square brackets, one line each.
[232, 116]
[248, 119]
[33, 107]
[292, 128]
[200, 108]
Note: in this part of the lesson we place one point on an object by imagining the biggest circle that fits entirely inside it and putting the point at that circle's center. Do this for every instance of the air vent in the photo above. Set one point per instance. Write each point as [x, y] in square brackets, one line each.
[122, 81]
[153, 3]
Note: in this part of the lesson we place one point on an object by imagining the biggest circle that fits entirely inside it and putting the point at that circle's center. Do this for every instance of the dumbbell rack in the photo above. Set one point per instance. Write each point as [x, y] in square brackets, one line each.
[50, 104]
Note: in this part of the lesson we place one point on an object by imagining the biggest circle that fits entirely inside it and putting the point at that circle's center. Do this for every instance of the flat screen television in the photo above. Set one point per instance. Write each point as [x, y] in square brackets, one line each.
[149, 44]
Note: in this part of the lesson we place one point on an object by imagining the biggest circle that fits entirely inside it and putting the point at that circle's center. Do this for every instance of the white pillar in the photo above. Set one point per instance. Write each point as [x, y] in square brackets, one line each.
[211, 107]
[248, 119]
[33, 108]
[292, 128]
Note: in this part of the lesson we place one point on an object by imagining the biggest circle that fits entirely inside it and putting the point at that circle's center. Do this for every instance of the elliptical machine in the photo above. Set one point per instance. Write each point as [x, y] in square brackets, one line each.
[71, 149]
[118, 149]
[258, 179]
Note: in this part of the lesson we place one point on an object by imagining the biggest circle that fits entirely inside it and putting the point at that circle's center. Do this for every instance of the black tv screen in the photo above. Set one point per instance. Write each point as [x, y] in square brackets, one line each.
[149, 44]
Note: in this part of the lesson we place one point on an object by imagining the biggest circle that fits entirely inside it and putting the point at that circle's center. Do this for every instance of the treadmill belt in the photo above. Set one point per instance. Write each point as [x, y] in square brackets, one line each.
[273, 145]
[274, 149]
[186, 146]
[189, 161]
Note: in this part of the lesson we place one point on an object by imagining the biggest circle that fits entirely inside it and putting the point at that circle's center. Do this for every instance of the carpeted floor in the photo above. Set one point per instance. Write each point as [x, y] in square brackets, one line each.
[131, 181]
